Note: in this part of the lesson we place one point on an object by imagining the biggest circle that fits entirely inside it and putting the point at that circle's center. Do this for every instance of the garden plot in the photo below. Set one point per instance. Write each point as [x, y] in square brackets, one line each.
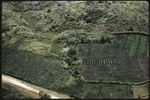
[116, 61]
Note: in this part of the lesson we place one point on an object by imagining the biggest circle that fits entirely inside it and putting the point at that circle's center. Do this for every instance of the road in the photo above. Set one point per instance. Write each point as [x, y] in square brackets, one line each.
[33, 88]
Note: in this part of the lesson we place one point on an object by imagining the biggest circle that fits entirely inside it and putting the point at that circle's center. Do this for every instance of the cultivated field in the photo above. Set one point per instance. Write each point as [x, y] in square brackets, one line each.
[31, 67]
[104, 62]
[116, 61]
[49, 73]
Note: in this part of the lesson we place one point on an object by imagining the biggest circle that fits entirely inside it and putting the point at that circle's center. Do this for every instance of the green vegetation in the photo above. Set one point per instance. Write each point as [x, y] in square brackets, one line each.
[133, 47]
[35, 69]
[119, 52]
[142, 44]
[46, 43]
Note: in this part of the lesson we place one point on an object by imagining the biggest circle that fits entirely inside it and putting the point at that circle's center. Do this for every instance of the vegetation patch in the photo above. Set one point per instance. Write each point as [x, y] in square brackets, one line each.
[35, 47]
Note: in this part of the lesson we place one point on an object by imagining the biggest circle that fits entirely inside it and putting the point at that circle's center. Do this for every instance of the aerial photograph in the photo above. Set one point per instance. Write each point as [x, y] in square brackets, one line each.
[75, 50]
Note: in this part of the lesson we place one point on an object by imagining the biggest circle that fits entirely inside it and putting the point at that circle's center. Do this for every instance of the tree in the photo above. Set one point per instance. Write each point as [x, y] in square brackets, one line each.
[43, 95]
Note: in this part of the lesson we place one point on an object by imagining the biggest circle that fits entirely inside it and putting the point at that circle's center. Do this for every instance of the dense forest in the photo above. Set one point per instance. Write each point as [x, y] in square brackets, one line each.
[39, 17]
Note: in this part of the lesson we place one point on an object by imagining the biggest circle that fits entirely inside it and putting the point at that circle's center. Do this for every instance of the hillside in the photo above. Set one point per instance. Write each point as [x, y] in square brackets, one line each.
[79, 48]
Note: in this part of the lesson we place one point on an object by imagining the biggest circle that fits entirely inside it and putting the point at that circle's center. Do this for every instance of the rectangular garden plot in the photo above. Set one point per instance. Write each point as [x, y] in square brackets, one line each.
[116, 61]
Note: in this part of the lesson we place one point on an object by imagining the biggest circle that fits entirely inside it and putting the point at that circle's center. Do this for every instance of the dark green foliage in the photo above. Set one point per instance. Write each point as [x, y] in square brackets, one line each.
[43, 95]
[92, 16]
[72, 52]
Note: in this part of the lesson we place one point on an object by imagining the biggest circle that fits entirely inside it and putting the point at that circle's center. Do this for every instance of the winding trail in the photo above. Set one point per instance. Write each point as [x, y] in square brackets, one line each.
[33, 88]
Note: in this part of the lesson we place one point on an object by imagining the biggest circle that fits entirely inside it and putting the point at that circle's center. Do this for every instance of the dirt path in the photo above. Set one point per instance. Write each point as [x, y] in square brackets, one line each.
[28, 94]
[33, 88]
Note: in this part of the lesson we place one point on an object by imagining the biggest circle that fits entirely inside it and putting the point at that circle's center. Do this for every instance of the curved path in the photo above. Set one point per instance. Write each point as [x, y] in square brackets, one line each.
[33, 88]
